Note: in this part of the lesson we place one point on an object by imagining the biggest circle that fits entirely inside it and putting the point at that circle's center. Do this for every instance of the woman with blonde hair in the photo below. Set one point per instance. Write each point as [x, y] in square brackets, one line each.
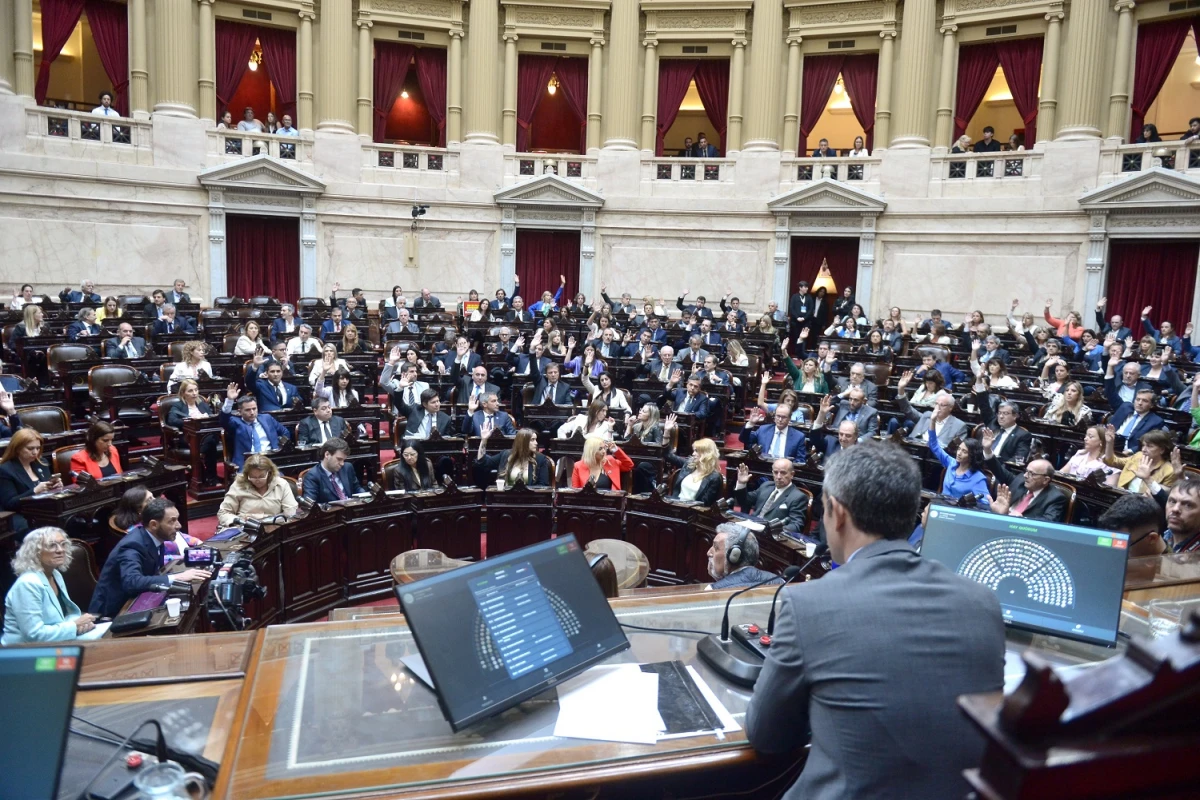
[602, 464]
[22, 473]
[766, 324]
[31, 324]
[193, 365]
[258, 492]
[351, 343]
[250, 340]
[1090, 457]
[736, 354]
[37, 608]
[110, 310]
[698, 479]
[1067, 408]
[646, 428]
[327, 365]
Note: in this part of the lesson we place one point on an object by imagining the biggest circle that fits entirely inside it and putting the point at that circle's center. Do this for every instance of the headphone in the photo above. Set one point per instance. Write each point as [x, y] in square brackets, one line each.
[596, 559]
[734, 542]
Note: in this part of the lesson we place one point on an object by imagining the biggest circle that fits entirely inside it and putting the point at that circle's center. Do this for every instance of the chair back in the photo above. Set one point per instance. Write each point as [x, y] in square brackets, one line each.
[878, 372]
[106, 376]
[263, 300]
[59, 354]
[562, 472]
[291, 482]
[62, 461]
[938, 351]
[81, 576]
[1070, 492]
[229, 342]
[134, 301]
[165, 403]
[45, 419]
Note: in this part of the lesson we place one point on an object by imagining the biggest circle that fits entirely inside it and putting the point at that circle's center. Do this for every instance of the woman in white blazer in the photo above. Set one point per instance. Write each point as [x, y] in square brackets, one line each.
[37, 607]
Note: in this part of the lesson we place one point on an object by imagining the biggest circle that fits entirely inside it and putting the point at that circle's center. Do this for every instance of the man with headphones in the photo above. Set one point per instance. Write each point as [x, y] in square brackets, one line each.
[733, 557]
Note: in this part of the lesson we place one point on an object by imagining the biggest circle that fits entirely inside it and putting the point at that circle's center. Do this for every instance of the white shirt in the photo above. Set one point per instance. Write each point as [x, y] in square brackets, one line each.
[101, 111]
[1003, 438]
[288, 132]
[250, 125]
[296, 347]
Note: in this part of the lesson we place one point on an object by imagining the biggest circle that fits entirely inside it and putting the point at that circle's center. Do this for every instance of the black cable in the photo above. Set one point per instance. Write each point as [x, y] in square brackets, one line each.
[663, 630]
[191, 761]
[86, 793]
[100, 728]
[94, 737]
[214, 592]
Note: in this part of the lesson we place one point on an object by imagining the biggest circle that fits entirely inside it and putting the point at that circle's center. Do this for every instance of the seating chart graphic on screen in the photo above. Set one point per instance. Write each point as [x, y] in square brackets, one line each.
[1014, 567]
[1050, 578]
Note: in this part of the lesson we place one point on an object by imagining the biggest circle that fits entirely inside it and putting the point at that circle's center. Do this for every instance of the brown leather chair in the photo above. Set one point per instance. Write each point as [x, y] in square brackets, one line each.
[62, 461]
[938, 351]
[62, 354]
[291, 482]
[82, 575]
[263, 300]
[229, 342]
[387, 470]
[221, 302]
[1070, 492]
[175, 444]
[132, 301]
[45, 419]
[106, 376]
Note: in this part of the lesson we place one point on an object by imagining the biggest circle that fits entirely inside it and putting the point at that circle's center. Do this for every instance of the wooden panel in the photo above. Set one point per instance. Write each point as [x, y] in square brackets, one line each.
[517, 518]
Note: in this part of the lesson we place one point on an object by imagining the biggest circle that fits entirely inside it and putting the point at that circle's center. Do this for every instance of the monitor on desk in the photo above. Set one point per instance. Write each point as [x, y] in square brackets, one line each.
[37, 692]
[1063, 580]
[498, 632]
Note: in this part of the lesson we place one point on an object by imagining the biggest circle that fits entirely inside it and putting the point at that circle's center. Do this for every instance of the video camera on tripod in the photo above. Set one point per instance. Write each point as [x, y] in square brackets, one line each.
[235, 583]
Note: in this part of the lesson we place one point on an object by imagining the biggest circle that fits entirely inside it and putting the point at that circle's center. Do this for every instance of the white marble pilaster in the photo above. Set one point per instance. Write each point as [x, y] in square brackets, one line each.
[508, 247]
[1097, 258]
[587, 253]
[866, 262]
[217, 278]
[308, 248]
[783, 260]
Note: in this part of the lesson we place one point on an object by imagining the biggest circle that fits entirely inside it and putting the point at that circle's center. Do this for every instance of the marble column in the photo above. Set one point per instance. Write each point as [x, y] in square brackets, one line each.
[482, 109]
[737, 80]
[762, 121]
[304, 71]
[883, 92]
[1118, 100]
[337, 79]
[595, 81]
[208, 66]
[366, 78]
[1080, 109]
[508, 122]
[1048, 102]
[139, 74]
[620, 106]
[6, 46]
[22, 17]
[943, 129]
[650, 97]
[791, 97]
[175, 62]
[916, 69]
[454, 107]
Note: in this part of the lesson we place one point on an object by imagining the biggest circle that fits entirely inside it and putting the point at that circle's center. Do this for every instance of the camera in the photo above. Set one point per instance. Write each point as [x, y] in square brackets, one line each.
[235, 583]
[419, 211]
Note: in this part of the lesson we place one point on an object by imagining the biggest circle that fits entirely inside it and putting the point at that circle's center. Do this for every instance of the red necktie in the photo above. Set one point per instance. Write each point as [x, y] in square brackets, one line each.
[1020, 507]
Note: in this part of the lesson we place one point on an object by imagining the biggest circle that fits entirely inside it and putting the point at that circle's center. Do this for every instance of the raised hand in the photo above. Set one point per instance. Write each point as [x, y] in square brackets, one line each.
[1128, 342]
[1111, 430]
[676, 376]
[473, 403]
[1049, 302]
[988, 437]
[804, 333]
[1187, 329]
[259, 358]
[1003, 500]
[1177, 460]
[395, 355]
[488, 427]
[603, 288]
[1143, 468]
[766, 377]
[520, 342]
[684, 293]
[743, 473]
[670, 422]
[786, 342]
[571, 343]
[826, 403]
[1015, 303]
[1146, 311]
[337, 286]
[904, 379]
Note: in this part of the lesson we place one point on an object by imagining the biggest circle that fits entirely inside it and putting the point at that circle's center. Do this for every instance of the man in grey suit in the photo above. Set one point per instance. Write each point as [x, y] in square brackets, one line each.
[321, 426]
[854, 408]
[125, 344]
[872, 657]
[858, 378]
[774, 500]
[948, 426]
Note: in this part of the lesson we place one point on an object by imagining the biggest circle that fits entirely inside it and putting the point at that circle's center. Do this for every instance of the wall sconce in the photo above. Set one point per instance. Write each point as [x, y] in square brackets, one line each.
[552, 86]
[255, 59]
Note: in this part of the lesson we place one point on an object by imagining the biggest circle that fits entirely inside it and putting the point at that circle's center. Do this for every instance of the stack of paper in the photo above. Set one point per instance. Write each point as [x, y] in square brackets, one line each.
[612, 704]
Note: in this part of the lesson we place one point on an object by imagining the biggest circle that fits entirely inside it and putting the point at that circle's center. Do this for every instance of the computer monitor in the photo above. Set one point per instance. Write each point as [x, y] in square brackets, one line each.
[498, 632]
[37, 693]
[1051, 578]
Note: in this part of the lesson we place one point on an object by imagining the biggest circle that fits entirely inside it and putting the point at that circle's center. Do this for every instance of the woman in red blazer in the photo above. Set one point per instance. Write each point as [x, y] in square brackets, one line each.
[602, 462]
[98, 457]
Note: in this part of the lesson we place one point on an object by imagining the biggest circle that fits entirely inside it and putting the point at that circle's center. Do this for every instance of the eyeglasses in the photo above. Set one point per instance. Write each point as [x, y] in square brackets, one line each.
[56, 547]
[1038, 474]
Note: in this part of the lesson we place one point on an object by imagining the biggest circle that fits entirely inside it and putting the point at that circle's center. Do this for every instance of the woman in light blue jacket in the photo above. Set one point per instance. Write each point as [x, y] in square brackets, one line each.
[37, 607]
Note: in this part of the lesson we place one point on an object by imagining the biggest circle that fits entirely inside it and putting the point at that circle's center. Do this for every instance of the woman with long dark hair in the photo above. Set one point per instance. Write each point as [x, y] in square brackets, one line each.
[964, 472]
[414, 471]
[520, 464]
[98, 457]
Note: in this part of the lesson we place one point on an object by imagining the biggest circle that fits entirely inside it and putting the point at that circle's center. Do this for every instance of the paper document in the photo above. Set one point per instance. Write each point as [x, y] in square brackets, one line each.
[96, 632]
[416, 665]
[612, 704]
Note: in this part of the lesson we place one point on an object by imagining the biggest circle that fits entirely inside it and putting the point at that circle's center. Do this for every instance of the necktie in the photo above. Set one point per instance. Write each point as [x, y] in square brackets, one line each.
[770, 502]
[337, 487]
[129, 351]
[1020, 507]
[325, 434]
[1129, 425]
[549, 392]
[778, 443]
[279, 396]
[170, 327]
[687, 402]
[427, 428]
[410, 401]
[1000, 443]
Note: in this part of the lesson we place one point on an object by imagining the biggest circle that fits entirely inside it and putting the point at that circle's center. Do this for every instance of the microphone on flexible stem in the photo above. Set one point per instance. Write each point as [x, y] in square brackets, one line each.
[789, 575]
[729, 659]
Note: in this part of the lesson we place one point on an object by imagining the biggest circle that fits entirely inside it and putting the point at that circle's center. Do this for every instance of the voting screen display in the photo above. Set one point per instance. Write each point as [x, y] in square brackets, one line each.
[498, 632]
[1050, 578]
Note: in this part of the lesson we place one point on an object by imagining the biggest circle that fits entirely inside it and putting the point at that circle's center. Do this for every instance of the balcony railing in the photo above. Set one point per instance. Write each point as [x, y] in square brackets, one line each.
[520, 167]
[1127, 158]
[688, 170]
[391, 163]
[841, 168]
[1016, 164]
[58, 131]
[230, 145]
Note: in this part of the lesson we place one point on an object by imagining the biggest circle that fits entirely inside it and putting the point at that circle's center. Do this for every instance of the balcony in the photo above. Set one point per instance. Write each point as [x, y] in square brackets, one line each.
[1118, 160]
[687, 170]
[225, 146]
[794, 173]
[79, 134]
[408, 165]
[521, 167]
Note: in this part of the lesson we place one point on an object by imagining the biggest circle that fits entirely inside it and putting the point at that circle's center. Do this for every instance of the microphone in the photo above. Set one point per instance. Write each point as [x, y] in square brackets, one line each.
[789, 575]
[725, 619]
[729, 659]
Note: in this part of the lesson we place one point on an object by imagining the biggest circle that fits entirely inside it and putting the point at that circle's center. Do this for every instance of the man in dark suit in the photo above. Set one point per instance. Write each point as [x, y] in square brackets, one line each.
[854, 408]
[858, 379]
[402, 325]
[352, 311]
[154, 309]
[733, 558]
[84, 295]
[322, 426]
[992, 351]
[429, 417]
[1131, 382]
[988, 144]
[702, 149]
[333, 325]
[1133, 420]
[269, 389]
[279, 355]
[460, 361]
[778, 440]
[546, 384]
[735, 305]
[1114, 325]
[690, 400]
[1030, 494]
[485, 411]
[709, 338]
[474, 386]
[699, 310]
[168, 323]
[776, 500]
[518, 313]
[1012, 441]
[824, 150]
[689, 148]
[177, 294]
[427, 302]
[249, 431]
[135, 564]
[125, 344]
[333, 479]
[800, 312]
[867, 663]
[402, 384]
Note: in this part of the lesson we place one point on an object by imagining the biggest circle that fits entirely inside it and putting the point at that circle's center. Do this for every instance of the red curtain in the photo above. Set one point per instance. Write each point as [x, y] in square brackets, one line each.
[533, 73]
[573, 81]
[860, 74]
[391, 68]
[1021, 60]
[674, 76]
[1154, 273]
[976, 68]
[262, 256]
[1158, 45]
[59, 18]
[712, 83]
[431, 74]
[541, 257]
[110, 31]
[809, 251]
[279, 53]
[820, 74]
[235, 43]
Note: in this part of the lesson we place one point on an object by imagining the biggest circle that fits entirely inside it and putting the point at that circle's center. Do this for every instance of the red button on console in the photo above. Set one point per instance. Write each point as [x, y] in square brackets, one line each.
[752, 630]
[765, 640]
[133, 760]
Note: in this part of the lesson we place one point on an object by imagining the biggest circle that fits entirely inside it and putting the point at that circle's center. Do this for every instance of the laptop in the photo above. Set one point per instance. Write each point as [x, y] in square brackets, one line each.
[37, 687]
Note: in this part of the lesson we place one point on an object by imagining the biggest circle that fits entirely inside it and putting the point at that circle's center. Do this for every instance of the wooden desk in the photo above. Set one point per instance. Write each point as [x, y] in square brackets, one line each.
[518, 517]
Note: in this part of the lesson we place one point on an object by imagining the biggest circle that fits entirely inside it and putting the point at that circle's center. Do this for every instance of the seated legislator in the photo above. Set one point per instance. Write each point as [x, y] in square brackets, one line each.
[249, 431]
[251, 341]
[154, 309]
[1134, 420]
[10, 420]
[84, 326]
[402, 325]
[964, 473]
[858, 380]
[774, 500]
[474, 385]
[327, 365]
[125, 344]
[602, 464]
[168, 323]
[332, 479]
[135, 564]
[483, 411]
[941, 419]
[1148, 471]
[778, 440]
[854, 408]
[193, 406]
[522, 463]
[320, 426]
[402, 384]
[85, 294]
[304, 343]
[877, 652]
[176, 293]
[732, 559]
[690, 400]
[646, 427]
[414, 471]
[284, 326]
[258, 492]
[193, 365]
[1027, 495]
[23, 474]
[98, 457]
[332, 327]
[266, 381]
[37, 608]
[424, 420]
[699, 478]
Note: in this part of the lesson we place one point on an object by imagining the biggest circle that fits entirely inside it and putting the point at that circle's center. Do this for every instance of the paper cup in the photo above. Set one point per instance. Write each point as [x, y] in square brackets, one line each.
[174, 606]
